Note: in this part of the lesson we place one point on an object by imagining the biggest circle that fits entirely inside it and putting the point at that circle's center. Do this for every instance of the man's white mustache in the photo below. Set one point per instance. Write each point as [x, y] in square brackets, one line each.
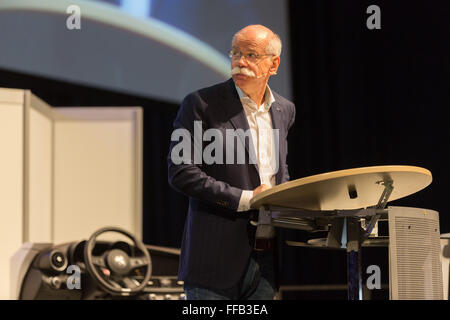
[244, 71]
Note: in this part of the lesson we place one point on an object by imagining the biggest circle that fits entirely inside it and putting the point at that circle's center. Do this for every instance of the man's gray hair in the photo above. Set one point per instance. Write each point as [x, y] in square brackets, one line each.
[274, 45]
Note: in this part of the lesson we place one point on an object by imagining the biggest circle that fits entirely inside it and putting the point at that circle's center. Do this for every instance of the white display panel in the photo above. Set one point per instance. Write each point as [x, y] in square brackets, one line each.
[100, 188]
[40, 165]
[11, 182]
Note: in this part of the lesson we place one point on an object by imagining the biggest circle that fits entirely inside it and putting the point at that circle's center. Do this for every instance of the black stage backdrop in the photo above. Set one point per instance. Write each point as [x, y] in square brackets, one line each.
[363, 97]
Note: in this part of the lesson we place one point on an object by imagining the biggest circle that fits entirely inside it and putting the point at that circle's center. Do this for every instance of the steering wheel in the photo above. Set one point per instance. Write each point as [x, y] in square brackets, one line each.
[116, 265]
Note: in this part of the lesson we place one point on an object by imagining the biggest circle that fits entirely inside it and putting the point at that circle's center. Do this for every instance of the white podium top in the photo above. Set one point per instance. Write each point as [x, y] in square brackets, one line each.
[345, 189]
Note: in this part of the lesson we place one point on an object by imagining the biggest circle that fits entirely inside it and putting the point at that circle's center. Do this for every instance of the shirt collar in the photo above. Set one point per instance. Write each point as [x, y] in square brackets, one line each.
[268, 98]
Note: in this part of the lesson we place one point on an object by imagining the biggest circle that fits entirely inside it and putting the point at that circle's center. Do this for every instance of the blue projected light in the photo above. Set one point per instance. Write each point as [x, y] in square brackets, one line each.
[215, 22]
[137, 8]
[162, 49]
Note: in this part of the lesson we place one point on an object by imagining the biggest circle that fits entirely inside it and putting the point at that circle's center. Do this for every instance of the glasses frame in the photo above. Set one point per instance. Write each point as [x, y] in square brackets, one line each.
[254, 59]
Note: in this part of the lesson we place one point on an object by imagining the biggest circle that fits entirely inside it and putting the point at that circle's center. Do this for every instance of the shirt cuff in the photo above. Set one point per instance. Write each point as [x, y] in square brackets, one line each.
[244, 202]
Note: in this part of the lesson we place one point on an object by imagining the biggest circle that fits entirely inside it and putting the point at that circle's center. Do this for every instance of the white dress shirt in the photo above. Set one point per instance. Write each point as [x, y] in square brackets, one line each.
[260, 123]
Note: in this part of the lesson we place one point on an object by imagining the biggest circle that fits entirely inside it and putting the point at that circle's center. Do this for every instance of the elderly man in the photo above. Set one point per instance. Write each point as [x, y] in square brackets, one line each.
[218, 260]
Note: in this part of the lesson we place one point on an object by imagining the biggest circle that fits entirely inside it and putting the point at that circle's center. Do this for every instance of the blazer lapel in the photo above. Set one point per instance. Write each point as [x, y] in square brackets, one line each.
[275, 112]
[277, 123]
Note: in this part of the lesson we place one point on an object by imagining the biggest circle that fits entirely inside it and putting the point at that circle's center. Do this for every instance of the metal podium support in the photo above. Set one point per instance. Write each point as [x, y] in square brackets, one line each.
[355, 238]
[346, 232]
[344, 224]
[354, 278]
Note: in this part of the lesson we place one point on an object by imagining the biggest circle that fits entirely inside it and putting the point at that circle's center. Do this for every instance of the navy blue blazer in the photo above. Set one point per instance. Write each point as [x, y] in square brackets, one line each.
[218, 240]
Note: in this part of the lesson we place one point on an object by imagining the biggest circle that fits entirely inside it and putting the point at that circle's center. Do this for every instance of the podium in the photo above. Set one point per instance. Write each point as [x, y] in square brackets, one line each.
[348, 204]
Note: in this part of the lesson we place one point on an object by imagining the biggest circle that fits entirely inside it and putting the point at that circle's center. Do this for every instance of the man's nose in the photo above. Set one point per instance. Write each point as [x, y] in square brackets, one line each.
[242, 61]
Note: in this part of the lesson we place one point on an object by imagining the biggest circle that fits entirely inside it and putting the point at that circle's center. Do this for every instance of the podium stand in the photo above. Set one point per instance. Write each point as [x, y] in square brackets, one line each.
[338, 202]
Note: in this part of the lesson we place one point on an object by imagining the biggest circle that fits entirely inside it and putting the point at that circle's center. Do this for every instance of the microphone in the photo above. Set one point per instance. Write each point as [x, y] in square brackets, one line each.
[265, 74]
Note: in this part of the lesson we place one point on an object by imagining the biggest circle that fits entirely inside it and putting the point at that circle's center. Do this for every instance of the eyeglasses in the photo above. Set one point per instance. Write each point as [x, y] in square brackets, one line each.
[251, 57]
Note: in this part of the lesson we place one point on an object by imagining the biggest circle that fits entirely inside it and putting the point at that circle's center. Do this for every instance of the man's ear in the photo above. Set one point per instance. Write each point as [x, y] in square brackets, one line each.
[275, 63]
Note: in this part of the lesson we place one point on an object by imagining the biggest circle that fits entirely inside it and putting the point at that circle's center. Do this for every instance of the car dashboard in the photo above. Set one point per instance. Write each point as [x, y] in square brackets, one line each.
[60, 272]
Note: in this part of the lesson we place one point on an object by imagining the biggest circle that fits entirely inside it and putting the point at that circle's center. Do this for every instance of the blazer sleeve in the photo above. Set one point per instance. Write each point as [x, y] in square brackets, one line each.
[188, 177]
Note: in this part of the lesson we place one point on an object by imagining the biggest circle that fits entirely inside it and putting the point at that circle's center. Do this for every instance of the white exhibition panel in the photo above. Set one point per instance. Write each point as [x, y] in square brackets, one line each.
[101, 186]
[40, 166]
[11, 182]
[65, 172]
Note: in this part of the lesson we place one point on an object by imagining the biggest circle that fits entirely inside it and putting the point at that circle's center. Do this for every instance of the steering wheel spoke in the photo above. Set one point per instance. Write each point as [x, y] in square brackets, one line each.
[114, 284]
[137, 262]
[99, 261]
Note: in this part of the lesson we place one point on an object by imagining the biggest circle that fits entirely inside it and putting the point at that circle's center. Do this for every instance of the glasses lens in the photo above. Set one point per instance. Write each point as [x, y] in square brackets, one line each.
[252, 57]
[234, 55]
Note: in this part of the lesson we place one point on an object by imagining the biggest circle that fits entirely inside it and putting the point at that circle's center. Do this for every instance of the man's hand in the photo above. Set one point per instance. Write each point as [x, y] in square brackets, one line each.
[260, 189]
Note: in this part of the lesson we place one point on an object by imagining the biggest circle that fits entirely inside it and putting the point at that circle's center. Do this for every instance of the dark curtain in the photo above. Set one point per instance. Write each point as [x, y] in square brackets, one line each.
[364, 98]
[372, 97]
